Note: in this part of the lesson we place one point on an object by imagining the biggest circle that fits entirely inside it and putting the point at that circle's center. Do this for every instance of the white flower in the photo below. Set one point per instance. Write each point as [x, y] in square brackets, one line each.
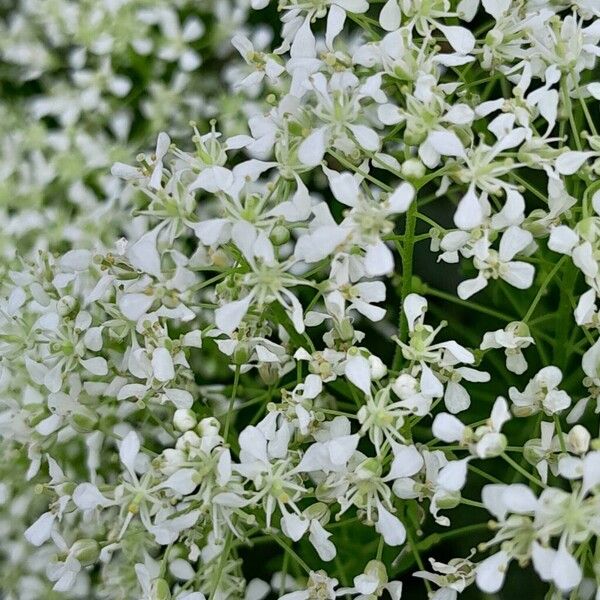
[541, 394]
[514, 337]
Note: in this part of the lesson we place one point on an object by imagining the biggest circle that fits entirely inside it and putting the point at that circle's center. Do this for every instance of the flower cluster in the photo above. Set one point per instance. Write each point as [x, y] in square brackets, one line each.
[340, 318]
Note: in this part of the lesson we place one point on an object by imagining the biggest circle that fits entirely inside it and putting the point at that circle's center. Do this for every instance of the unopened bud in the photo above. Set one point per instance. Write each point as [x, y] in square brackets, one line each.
[184, 419]
[161, 590]
[241, 354]
[377, 368]
[86, 551]
[345, 330]
[413, 168]
[578, 440]
[66, 305]
[279, 235]
[84, 420]
[188, 439]
[449, 500]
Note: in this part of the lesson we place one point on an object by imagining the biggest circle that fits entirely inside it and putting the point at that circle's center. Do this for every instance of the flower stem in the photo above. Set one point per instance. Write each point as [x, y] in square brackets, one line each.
[407, 271]
[515, 465]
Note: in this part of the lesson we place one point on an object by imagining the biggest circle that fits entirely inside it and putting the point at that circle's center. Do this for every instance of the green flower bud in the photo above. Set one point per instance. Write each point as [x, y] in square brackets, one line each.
[494, 37]
[268, 373]
[413, 168]
[86, 551]
[345, 330]
[377, 569]
[84, 420]
[241, 354]
[449, 500]
[279, 235]
[66, 305]
[533, 452]
[161, 590]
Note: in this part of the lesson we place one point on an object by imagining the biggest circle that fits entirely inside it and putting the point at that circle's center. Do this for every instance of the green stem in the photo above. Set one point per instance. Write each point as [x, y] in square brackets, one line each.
[472, 305]
[543, 288]
[407, 271]
[521, 470]
[289, 550]
[561, 437]
[236, 381]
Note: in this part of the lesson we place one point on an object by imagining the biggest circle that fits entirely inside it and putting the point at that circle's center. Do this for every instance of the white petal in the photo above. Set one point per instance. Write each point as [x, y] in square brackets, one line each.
[513, 241]
[469, 212]
[430, 385]
[128, 451]
[229, 316]
[519, 274]
[390, 527]
[467, 288]
[96, 365]
[75, 260]
[213, 179]
[448, 428]
[312, 149]
[319, 538]
[407, 461]
[335, 24]
[518, 498]
[389, 17]
[182, 481]
[542, 560]
[342, 448]
[460, 38]
[87, 496]
[162, 364]
[40, 531]
[447, 143]
[401, 198]
[570, 162]
[414, 307]
[490, 573]
[379, 260]
[358, 372]
[562, 239]
[591, 471]
[453, 476]
[294, 526]
[566, 570]
[344, 187]
[143, 254]
[366, 137]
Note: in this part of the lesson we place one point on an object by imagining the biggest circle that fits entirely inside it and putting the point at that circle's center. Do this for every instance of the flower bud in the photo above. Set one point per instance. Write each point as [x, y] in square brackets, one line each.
[35, 414]
[578, 440]
[84, 420]
[494, 37]
[184, 419]
[269, 373]
[208, 427]
[377, 368]
[172, 459]
[413, 168]
[378, 570]
[161, 590]
[66, 305]
[404, 386]
[533, 452]
[345, 330]
[187, 440]
[241, 354]
[86, 551]
[279, 235]
[448, 500]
